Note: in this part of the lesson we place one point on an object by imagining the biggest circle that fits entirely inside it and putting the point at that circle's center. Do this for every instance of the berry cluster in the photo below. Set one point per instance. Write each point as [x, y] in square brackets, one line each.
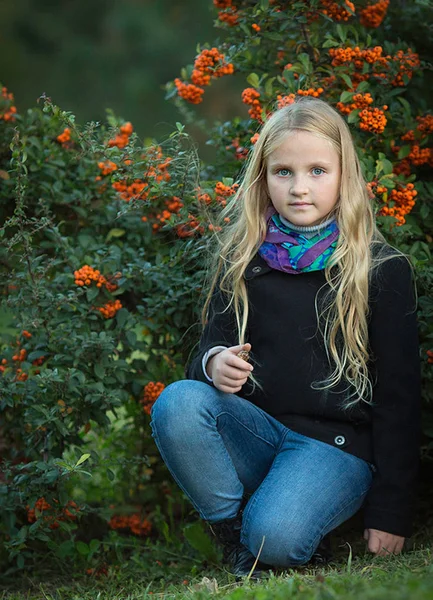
[403, 201]
[336, 12]
[107, 167]
[65, 137]
[283, 101]
[250, 96]
[228, 13]
[373, 119]
[134, 523]
[240, 151]
[311, 92]
[65, 410]
[370, 119]
[151, 393]
[224, 191]
[373, 15]
[360, 101]
[189, 92]
[132, 191]
[408, 62]
[210, 63]
[10, 110]
[425, 124]
[86, 275]
[173, 207]
[380, 64]
[54, 516]
[109, 310]
[138, 188]
[122, 139]
[190, 228]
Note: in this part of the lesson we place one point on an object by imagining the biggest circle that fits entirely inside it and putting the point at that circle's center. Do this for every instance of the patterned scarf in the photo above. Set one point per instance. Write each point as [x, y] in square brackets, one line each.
[293, 252]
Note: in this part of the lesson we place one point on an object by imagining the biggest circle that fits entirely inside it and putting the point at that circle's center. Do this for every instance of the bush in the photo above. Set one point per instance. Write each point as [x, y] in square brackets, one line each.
[103, 245]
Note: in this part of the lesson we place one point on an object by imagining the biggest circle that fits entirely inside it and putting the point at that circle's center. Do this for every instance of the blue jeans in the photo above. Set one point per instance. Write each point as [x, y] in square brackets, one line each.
[220, 448]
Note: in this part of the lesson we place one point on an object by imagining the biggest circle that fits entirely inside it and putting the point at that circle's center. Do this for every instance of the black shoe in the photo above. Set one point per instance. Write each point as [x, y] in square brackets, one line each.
[236, 555]
[323, 553]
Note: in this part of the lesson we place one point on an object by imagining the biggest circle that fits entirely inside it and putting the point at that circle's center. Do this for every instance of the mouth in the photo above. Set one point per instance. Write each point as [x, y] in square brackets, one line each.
[300, 204]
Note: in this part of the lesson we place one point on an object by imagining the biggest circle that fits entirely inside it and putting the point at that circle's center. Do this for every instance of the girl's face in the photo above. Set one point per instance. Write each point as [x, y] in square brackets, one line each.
[303, 178]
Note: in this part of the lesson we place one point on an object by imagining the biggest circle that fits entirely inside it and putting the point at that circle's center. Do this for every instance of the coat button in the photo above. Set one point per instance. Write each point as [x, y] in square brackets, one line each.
[256, 269]
[340, 440]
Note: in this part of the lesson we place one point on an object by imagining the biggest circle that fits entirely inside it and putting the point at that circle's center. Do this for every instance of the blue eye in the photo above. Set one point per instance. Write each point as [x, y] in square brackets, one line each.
[318, 169]
[283, 172]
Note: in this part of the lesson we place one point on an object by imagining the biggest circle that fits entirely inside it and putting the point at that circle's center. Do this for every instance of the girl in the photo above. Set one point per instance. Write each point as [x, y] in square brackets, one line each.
[277, 451]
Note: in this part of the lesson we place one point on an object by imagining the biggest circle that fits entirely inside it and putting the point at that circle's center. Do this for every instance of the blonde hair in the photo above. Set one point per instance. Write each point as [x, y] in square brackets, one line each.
[345, 305]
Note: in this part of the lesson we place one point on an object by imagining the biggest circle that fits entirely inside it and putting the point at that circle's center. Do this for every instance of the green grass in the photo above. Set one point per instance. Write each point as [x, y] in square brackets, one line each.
[158, 572]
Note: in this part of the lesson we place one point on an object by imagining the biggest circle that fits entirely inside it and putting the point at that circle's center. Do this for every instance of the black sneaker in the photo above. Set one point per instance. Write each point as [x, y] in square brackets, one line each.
[238, 558]
[323, 553]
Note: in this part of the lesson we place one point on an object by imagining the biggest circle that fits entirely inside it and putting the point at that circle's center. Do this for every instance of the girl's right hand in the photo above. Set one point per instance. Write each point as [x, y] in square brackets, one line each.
[228, 371]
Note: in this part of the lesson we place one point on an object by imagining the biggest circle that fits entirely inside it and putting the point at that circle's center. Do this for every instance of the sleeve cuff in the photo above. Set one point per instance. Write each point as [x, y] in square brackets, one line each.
[390, 523]
[207, 356]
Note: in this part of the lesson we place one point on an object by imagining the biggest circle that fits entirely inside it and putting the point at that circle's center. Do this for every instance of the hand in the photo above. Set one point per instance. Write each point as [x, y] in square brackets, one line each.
[382, 543]
[228, 371]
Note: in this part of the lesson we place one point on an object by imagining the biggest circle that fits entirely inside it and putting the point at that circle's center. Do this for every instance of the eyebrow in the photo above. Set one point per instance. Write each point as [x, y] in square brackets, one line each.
[281, 165]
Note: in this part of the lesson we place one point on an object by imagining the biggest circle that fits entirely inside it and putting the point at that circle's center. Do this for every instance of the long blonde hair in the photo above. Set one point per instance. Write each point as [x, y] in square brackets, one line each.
[348, 272]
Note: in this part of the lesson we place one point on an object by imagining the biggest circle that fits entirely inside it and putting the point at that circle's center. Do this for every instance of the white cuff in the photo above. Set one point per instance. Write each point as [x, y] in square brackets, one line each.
[208, 355]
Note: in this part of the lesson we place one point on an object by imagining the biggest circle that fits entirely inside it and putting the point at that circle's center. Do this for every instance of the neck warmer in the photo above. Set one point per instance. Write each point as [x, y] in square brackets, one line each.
[295, 251]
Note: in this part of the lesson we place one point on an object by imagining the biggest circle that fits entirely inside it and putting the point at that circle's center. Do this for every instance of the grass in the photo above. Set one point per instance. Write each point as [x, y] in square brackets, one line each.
[156, 571]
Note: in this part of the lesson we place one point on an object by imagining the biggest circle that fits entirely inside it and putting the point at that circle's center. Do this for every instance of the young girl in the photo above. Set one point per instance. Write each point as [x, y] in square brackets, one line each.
[324, 415]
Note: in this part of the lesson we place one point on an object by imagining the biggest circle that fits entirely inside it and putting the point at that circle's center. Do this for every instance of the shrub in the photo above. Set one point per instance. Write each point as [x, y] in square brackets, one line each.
[103, 245]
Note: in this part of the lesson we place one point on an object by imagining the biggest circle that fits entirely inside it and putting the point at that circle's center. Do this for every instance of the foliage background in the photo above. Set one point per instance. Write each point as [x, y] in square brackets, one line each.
[79, 464]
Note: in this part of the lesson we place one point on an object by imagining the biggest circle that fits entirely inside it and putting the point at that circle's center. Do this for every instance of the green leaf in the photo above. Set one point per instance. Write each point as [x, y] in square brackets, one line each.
[92, 293]
[94, 545]
[386, 166]
[110, 475]
[197, 538]
[354, 116]
[82, 548]
[99, 370]
[82, 459]
[253, 80]
[341, 33]
[115, 233]
[264, 4]
[347, 81]
[269, 88]
[122, 316]
[362, 87]
[346, 96]
[404, 151]
[271, 35]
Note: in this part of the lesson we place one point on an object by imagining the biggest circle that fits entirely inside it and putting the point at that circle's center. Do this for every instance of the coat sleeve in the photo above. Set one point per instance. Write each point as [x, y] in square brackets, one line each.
[220, 330]
[396, 411]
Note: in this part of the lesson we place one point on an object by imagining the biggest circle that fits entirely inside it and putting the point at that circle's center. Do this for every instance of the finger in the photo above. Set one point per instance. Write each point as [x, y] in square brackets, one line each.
[366, 534]
[229, 389]
[232, 373]
[399, 547]
[374, 544]
[232, 383]
[236, 349]
[238, 363]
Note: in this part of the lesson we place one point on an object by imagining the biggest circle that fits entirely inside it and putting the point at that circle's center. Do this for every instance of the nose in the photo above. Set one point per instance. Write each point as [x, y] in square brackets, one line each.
[299, 186]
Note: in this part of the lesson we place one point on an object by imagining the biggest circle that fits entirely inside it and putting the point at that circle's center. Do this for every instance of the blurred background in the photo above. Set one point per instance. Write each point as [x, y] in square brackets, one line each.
[90, 55]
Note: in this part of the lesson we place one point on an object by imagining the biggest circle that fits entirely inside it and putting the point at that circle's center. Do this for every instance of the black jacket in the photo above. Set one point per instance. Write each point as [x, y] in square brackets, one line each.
[288, 355]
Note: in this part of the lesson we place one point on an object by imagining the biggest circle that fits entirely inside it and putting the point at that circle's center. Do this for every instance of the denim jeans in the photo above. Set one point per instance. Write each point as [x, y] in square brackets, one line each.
[221, 448]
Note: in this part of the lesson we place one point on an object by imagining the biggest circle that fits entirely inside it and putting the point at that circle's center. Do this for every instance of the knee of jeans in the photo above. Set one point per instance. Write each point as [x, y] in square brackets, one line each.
[176, 410]
[284, 545]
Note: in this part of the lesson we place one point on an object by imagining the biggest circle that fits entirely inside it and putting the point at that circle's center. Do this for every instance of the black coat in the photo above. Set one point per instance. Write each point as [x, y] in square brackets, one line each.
[288, 355]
